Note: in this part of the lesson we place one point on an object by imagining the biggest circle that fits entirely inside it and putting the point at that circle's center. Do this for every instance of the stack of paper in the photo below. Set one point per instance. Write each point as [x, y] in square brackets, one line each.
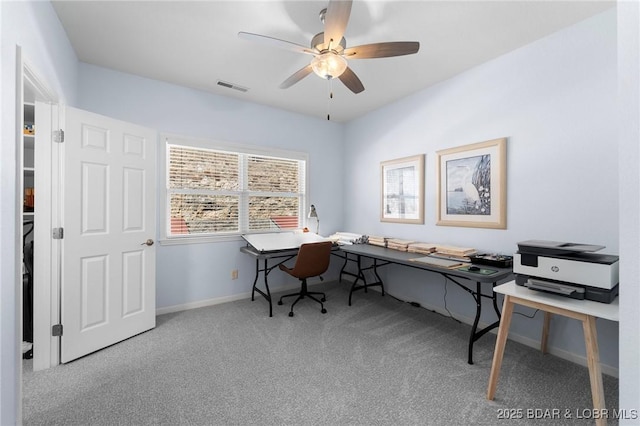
[455, 251]
[398, 244]
[421, 248]
[348, 238]
[451, 252]
[377, 241]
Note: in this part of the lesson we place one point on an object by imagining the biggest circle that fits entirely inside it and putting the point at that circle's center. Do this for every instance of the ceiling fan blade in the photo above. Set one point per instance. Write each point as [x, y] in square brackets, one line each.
[335, 20]
[351, 80]
[296, 77]
[276, 42]
[382, 50]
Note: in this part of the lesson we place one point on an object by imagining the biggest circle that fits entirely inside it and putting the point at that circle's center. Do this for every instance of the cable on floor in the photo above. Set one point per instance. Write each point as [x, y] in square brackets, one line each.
[446, 282]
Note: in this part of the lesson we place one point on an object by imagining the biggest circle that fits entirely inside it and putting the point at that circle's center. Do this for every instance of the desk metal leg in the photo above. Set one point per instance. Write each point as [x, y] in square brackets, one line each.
[477, 296]
[501, 341]
[360, 276]
[375, 272]
[494, 296]
[255, 280]
[267, 294]
[474, 335]
[344, 265]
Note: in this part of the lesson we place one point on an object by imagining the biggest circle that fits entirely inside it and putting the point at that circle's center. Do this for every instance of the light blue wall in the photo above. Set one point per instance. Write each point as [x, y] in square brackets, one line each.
[556, 102]
[35, 27]
[197, 272]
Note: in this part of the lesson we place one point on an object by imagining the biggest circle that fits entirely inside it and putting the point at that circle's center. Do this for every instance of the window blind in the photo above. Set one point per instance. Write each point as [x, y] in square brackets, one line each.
[213, 192]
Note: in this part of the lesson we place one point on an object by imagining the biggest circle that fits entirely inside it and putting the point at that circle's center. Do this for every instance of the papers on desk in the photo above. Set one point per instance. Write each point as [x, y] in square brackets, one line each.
[455, 251]
[458, 251]
[374, 240]
[398, 244]
[455, 255]
[421, 248]
[347, 238]
[436, 261]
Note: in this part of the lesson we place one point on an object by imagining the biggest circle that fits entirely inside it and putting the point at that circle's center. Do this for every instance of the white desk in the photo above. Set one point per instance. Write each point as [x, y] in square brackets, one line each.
[279, 241]
[584, 310]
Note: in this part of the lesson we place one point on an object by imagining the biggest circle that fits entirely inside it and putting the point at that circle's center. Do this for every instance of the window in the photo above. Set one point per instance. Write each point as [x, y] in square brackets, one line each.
[216, 190]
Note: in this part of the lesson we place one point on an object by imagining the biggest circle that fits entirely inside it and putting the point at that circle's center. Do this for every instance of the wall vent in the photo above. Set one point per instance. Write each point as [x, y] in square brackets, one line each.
[232, 86]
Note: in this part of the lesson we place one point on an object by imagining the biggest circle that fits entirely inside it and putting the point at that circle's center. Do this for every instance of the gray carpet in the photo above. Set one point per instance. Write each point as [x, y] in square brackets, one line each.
[378, 362]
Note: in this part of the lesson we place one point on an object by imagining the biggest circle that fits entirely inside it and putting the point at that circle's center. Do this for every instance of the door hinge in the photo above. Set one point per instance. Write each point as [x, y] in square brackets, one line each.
[56, 330]
[58, 233]
[58, 136]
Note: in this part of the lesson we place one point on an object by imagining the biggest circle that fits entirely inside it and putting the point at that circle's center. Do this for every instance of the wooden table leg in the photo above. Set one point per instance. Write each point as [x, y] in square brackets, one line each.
[545, 332]
[503, 331]
[593, 362]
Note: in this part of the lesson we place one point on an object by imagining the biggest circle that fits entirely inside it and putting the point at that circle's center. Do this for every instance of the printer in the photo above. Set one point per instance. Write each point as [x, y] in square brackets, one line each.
[568, 269]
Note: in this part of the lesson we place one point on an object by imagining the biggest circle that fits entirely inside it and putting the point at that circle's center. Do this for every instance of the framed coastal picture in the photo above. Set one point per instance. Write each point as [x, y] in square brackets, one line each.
[472, 186]
[402, 190]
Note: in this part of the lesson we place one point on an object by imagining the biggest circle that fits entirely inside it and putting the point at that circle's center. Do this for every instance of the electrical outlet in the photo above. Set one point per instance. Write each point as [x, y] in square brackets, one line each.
[234, 274]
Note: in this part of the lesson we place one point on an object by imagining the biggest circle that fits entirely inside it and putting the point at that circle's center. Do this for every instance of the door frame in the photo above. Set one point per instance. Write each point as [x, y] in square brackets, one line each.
[46, 265]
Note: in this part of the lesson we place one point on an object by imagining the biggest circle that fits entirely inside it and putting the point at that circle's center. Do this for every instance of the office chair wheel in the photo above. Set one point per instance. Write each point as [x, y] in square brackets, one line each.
[324, 311]
[291, 314]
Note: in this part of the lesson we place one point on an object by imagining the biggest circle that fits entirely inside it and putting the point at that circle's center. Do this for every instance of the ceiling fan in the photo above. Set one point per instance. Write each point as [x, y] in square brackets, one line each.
[329, 48]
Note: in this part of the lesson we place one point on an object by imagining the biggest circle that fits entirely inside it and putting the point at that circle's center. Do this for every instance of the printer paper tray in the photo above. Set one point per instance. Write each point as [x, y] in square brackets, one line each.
[577, 291]
[557, 288]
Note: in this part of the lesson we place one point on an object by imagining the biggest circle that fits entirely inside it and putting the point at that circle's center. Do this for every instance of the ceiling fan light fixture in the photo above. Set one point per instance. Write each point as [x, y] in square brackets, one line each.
[329, 49]
[328, 65]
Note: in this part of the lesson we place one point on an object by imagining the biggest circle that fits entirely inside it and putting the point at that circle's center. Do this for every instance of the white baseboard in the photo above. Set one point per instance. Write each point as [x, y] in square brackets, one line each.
[202, 303]
[224, 299]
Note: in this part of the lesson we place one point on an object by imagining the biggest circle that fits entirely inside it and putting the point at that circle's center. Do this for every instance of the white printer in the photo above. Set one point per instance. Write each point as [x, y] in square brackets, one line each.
[568, 269]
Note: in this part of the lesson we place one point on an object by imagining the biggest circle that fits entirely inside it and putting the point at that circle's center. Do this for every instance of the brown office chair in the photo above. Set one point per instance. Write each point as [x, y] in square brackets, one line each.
[313, 260]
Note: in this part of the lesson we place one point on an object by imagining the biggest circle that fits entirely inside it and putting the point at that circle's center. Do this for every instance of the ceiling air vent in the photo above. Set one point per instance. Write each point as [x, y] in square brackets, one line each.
[231, 86]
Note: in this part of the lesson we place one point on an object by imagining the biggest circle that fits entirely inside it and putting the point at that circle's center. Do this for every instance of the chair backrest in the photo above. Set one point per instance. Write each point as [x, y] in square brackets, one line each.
[313, 259]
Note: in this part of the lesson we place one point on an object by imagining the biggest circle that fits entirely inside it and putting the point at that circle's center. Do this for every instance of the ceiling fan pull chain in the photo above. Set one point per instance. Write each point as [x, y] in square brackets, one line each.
[329, 99]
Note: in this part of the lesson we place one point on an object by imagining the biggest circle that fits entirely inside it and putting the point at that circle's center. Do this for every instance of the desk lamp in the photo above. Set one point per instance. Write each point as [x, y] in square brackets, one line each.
[314, 214]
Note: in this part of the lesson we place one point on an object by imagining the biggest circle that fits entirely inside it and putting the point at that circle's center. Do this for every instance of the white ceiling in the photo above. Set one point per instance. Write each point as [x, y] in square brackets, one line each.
[195, 43]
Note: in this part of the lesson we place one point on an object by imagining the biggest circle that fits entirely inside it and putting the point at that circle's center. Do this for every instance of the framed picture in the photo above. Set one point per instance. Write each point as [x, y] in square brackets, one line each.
[402, 196]
[472, 187]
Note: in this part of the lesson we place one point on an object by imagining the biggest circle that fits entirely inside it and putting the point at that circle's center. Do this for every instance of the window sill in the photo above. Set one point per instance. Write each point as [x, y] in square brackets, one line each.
[199, 240]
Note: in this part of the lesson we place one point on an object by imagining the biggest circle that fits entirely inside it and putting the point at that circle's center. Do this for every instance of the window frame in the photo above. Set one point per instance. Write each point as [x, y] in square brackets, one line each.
[164, 215]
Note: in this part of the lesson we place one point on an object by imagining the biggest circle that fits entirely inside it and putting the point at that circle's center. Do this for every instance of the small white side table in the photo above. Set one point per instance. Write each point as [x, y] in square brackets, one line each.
[583, 310]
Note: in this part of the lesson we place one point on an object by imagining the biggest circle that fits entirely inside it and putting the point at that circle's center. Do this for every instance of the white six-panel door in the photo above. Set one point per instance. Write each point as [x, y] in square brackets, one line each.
[108, 272]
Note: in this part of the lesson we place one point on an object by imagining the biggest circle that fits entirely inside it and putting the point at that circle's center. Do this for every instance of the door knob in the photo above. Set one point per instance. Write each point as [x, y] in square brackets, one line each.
[149, 242]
